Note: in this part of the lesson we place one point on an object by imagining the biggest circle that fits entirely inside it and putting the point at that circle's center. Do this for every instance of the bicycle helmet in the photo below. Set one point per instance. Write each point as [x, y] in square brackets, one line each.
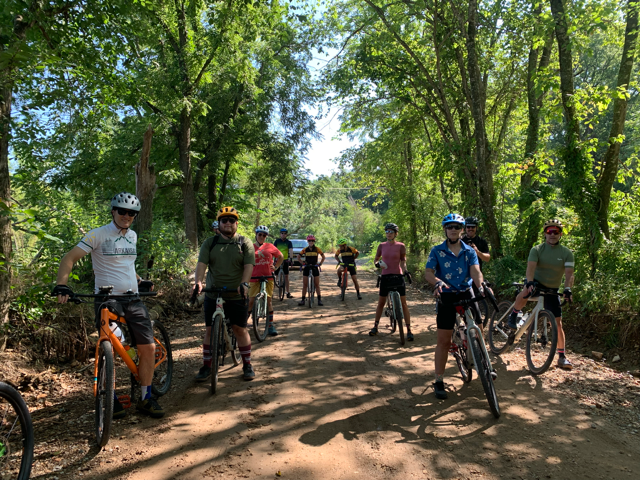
[262, 229]
[126, 200]
[342, 241]
[554, 222]
[391, 226]
[453, 218]
[310, 237]
[471, 222]
[284, 230]
[215, 224]
[228, 212]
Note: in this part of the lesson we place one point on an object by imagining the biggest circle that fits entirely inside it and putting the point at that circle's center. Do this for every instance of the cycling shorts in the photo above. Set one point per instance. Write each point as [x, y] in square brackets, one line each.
[137, 317]
[284, 266]
[390, 283]
[254, 288]
[551, 302]
[350, 268]
[236, 311]
[446, 316]
[311, 268]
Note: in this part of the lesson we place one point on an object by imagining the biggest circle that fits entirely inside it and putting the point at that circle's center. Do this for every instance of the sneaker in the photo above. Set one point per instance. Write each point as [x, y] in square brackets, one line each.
[410, 337]
[272, 332]
[564, 363]
[301, 302]
[118, 410]
[320, 304]
[513, 321]
[373, 332]
[359, 296]
[441, 393]
[150, 407]
[289, 295]
[203, 374]
[247, 372]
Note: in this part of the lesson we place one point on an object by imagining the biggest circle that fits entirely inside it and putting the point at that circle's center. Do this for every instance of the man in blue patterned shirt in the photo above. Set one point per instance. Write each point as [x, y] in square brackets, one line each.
[451, 267]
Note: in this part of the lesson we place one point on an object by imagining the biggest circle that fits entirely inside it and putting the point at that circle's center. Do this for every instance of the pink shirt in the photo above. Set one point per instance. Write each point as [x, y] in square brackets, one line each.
[264, 259]
[391, 254]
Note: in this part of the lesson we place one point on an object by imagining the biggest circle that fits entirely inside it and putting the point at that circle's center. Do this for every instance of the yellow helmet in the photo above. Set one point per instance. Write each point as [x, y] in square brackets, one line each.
[228, 212]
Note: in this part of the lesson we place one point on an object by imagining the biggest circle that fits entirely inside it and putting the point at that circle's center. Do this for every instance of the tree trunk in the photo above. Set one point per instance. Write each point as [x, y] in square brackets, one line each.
[145, 185]
[212, 194]
[611, 158]
[413, 217]
[482, 151]
[188, 192]
[5, 195]
[225, 177]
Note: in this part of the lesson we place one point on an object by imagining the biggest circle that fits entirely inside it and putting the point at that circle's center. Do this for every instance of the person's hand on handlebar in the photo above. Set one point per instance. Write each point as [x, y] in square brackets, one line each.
[243, 289]
[568, 296]
[197, 288]
[63, 292]
[529, 287]
[408, 275]
[438, 288]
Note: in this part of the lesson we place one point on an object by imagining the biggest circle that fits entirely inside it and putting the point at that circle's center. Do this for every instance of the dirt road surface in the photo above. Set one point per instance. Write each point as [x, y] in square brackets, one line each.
[331, 402]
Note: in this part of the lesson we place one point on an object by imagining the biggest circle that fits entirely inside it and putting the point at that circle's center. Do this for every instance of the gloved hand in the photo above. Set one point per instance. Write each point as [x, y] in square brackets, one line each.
[61, 290]
[194, 294]
[568, 295]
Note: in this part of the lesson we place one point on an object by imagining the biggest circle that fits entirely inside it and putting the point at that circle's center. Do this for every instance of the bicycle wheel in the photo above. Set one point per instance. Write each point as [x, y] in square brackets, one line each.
[311, 289]
[542, 339]
[259, 317]
[343, 286]
[217, 350]
[398, 314]
[391, 314]
[104, 394]
[16, 434]
[484, 372]
[460, 354]
[163, 372]
[483, 306]
[500, 335]
[235, 351]
[281, 285]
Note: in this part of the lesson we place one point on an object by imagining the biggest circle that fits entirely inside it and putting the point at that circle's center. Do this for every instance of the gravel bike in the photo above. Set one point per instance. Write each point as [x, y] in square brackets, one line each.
[393, 310]
[104, 377]
[539, 325]
[469, 349]
[260, 309]
[16, 435]
[223, 340]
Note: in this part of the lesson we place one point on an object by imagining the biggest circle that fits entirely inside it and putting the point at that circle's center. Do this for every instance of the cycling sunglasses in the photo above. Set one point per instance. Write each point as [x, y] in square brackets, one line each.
[261, 234]
[389, 231]
[553, 231]
[453, 227]
[123, 212]
[227, 220]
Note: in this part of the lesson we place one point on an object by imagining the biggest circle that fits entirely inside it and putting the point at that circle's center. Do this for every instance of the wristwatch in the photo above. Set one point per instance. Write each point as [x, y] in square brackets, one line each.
[245, 284]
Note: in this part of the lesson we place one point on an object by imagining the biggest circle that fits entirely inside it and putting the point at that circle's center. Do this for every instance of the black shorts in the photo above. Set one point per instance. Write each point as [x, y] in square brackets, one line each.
[389, 283]
[236, 311]
[284, 267]
[446, 317]
[551, 302]
[137, 317]
[311, 268]
[351, 269]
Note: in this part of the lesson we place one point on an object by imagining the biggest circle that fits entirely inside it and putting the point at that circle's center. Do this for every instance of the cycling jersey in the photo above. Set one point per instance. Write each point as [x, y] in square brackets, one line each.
[283, 246]
[455, 270]
[348, 255]
[480, 243]
[311, 254]
[552, 261]
[226, 261]
[391, 254]
[264, 259]
[113, 256]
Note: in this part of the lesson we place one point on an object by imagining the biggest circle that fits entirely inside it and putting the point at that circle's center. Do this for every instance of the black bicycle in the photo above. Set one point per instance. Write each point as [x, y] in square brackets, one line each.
[16, 435]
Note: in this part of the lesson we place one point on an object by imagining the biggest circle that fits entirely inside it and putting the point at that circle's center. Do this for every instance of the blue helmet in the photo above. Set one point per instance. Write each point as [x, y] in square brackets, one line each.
[453, 218]
[284, 230]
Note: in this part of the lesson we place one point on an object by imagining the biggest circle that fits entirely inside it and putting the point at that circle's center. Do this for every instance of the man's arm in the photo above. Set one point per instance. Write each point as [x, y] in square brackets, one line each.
[246, 277]
[280, 259]
[201, 269]
[476, 274]
[485, 257]
[568, 277]
[66, 265]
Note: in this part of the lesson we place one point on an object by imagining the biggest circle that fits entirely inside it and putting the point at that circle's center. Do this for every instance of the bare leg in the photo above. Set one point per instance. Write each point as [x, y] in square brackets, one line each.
[147, 354]
[560, 333]
[355, 282]
[242, 335]
[305, 280]
[379, 308]
[286, 282]
[405, 310]
[316, 281]
[442, 350]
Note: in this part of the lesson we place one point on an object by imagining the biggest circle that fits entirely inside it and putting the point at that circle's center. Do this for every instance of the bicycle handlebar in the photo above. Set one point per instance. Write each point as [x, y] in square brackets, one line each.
[538, 290]
[77, 297]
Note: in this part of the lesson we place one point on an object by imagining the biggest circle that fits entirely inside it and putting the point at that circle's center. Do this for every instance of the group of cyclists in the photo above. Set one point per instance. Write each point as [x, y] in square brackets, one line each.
[230, 260]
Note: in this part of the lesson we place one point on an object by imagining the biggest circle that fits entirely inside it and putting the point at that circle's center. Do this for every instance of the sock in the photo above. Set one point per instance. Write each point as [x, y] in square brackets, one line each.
[245, 352]
[206, 355]
[270, 318]
[560, 352]
[517, 312]
[439, 378]
[408, 329]
[145, 392]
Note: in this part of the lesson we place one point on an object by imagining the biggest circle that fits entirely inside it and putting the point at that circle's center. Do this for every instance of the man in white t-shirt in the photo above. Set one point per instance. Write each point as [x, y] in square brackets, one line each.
[113, 254]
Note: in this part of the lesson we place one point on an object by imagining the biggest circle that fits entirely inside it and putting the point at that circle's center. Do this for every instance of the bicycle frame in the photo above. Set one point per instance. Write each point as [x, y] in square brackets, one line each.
[530, 317]
[219, 311]
[472, 326]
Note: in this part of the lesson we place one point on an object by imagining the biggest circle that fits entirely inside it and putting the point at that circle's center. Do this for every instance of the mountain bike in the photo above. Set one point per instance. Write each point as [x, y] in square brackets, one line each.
[311, 284]
[393, 310]
[104, 372]
[469, 349]
[260, 309]
[16, 435]
[223, 340]
[540, 326]
[343, 280]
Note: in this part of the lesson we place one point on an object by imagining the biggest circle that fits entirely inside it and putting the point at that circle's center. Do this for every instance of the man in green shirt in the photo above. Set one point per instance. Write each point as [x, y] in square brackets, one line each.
[547, 264]
[230, 259]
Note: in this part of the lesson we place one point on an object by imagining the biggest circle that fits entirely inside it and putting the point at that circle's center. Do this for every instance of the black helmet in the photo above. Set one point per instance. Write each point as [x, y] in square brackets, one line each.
[391, 226]
[472, 222]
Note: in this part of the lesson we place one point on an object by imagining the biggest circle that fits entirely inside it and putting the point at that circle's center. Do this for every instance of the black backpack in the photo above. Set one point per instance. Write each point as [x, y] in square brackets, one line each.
[239, 242]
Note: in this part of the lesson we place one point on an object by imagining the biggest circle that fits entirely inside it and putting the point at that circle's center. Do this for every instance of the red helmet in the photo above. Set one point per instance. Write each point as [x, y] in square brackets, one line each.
[310, 237]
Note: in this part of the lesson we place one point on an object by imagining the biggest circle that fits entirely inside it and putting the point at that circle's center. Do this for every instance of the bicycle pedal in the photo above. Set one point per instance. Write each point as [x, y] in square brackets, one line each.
[125, 401]
[494, 375]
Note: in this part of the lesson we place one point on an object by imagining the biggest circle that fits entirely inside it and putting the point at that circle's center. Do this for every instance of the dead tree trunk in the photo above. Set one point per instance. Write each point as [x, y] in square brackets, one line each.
[145, 185]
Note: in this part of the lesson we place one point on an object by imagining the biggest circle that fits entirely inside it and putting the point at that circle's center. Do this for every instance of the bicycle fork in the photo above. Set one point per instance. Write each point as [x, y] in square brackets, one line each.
[478, 332]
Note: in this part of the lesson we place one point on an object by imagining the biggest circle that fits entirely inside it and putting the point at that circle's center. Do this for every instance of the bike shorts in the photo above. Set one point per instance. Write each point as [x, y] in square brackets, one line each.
[137, 317]
[446, 316]
[351, 269]
[390, 283]
[310, 268]
[551, 302]
[284, 266]
[236, 311]
[254, 288]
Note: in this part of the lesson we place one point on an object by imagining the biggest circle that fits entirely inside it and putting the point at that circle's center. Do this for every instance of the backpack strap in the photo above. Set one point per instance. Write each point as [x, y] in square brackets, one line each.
[239, 242]
[213, 244]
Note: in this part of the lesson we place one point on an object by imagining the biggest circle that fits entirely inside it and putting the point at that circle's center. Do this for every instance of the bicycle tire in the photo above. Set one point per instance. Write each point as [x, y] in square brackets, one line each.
[104, 394]
[259, 318]
[398, 313]
[466, 372]
[500, 336]
[163, 373]
[217, 350]
[15, 414]
[484, 372]
[483, 306]
[281, 284]
[235, 351]
[540, 353]
[392, 316]
[311, 289]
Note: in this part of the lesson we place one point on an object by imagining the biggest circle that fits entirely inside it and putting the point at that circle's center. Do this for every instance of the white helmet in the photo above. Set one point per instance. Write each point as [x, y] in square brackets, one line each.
[262, 229]
[215, 224]
[126, 200]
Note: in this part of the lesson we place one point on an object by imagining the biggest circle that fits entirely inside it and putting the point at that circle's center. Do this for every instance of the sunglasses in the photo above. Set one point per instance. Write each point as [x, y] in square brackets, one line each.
[261, 234]
[453, 227]
[389, 231]
[123, 212]
[311, 241]
[553, 231]
[227, 220]
[471, 226]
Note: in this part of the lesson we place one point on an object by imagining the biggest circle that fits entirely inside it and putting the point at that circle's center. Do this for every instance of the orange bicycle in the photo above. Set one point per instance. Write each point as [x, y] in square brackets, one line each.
[104, 377]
